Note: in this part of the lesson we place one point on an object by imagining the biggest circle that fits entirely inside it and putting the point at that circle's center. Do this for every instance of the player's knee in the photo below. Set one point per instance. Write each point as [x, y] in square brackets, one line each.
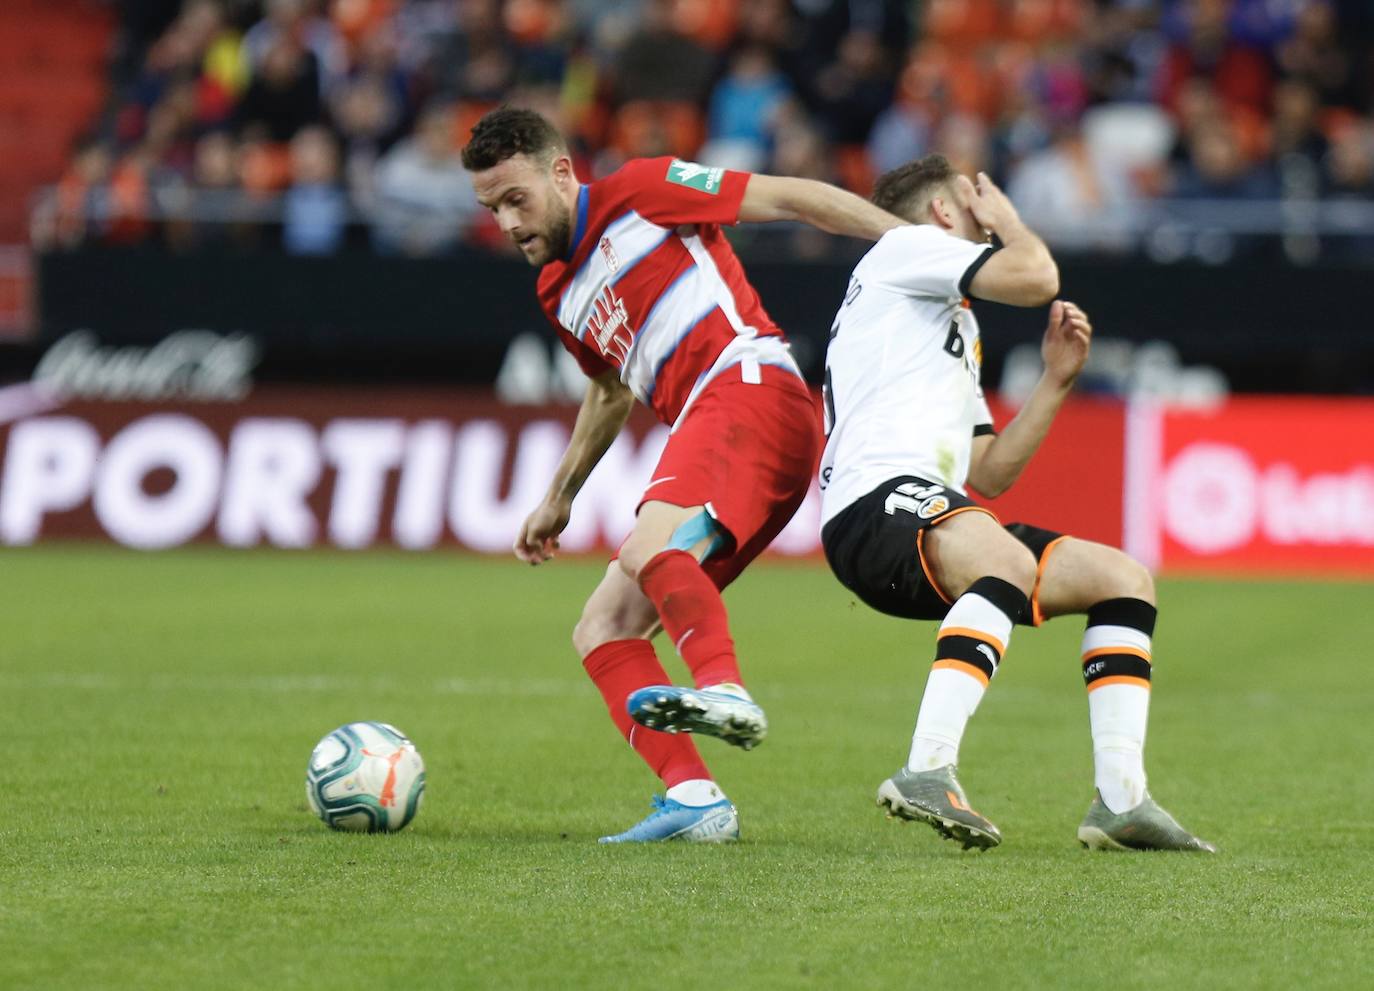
[590, 632]
[632, 560]
[1133, 580]
[1016, 565]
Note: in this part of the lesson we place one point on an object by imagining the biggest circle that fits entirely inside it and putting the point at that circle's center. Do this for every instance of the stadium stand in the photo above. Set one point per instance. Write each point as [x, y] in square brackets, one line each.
[1105, 121]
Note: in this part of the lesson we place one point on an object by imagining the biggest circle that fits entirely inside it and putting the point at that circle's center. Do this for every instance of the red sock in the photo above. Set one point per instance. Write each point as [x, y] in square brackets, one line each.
[619, 668]
[693, 616]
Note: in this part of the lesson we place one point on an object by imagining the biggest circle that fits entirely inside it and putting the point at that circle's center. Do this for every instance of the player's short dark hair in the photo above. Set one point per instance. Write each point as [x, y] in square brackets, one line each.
[907, 189]
[508, 131]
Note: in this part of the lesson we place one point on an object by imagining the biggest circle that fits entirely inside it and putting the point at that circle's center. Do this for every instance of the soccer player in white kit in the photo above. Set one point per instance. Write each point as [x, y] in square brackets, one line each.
[907, 429]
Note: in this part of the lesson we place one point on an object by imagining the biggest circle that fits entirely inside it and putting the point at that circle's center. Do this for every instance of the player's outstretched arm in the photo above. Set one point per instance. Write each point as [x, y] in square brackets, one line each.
[1022, 272]
[605, 408]
[770, 198]
[997, 461]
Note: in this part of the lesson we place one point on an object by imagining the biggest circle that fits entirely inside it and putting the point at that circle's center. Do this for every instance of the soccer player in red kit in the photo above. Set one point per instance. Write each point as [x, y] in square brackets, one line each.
[648, 296]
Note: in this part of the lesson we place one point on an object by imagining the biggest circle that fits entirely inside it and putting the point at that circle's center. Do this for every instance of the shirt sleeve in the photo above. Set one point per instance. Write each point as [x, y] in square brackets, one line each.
[921, 260]
[669, 191]
[982, 422]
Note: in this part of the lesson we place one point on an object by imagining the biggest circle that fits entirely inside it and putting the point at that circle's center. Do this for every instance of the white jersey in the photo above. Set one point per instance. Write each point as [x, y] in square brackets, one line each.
[902, 395]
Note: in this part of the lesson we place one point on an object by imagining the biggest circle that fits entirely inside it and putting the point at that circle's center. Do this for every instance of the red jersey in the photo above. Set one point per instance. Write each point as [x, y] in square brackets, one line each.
[651, 287]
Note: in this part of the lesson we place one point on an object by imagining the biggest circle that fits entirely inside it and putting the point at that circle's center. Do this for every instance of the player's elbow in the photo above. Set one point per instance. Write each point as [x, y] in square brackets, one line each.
[990, 488]
[1045, 285]
[989, 482]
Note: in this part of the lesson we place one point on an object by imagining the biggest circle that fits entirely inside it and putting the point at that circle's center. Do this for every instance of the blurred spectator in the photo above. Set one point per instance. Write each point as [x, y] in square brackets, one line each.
[314, 209]
[424, 202]
[1350, 178]
[854, 89]
[285, 93]
[1068, 101]
[1295, 129]
[964, 141]
[659, 64]
[297, 22]
[900, 134]
[210, 210]
[79, 199]
[1075, 197]
[770, 24]
[1239, 70]
[369, 118]
[1297, 145]
[1217, 168]
[1315, 54]
[475, 60]
[1350, 163]
[744, 108]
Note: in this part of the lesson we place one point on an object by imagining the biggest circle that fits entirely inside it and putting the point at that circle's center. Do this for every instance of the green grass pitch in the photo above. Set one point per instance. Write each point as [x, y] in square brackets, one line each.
[159, 710]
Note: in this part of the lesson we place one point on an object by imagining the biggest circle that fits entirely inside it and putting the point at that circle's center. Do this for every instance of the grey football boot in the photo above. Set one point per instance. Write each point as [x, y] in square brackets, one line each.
[1145, 827]
[935, 797]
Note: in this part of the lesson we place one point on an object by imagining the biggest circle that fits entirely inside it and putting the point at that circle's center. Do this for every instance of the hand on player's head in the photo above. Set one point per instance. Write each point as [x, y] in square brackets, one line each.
[953, 210]
[990, 205]
[963, 191]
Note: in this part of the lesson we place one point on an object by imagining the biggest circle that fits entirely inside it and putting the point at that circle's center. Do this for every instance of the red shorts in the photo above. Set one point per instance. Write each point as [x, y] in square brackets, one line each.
[747, 452]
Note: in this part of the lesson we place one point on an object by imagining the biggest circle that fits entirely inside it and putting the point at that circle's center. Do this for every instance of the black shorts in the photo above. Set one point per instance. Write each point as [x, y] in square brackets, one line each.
[874, 547]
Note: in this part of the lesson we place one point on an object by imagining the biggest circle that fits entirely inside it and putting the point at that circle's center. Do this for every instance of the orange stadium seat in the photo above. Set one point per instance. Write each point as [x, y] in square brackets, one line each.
[647, 128]
[960, 23]
[711, 22]
[265, 168]
[52, 83]
[854, 169]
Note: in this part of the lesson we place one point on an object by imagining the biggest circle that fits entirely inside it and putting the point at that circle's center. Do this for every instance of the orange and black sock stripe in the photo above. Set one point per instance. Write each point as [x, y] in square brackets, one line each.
[1116, 643]
[973, 637]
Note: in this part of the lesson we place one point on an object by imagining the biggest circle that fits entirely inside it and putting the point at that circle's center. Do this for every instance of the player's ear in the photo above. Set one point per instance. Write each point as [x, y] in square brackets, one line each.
[942, 213]
[563, 169]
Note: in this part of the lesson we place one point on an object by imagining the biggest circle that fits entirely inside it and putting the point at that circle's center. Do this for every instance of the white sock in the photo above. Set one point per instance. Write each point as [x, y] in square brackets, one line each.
[697, 791]
[1118, 714]
[970, 645]
[1116, 670]
[949, 701]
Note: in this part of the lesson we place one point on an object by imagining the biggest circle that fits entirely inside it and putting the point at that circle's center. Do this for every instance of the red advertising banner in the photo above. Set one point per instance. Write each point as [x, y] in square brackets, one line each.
[1074, 483]
[416, 469]
[1265, 485]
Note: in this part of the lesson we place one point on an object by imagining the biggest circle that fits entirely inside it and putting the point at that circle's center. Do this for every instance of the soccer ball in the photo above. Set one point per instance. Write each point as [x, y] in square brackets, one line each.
[365, 778]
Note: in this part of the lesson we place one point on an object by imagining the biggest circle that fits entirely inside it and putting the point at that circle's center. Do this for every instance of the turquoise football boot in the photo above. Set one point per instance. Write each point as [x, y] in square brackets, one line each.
[670, 820]
[736, 719]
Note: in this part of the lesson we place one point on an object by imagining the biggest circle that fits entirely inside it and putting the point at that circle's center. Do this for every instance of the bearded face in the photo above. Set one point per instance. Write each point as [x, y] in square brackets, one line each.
[524, 195]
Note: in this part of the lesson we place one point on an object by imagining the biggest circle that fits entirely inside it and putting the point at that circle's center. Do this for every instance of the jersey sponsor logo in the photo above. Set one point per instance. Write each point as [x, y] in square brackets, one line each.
[608, 253]
[610, 326]
[694, 176]
[933, 507]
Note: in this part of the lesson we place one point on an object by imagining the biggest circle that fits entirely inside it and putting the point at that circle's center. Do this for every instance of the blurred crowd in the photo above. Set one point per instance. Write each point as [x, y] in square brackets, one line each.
[317, 123]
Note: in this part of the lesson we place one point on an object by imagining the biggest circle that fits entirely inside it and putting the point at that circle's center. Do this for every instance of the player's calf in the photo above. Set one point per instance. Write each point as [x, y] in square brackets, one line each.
[969, 648]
